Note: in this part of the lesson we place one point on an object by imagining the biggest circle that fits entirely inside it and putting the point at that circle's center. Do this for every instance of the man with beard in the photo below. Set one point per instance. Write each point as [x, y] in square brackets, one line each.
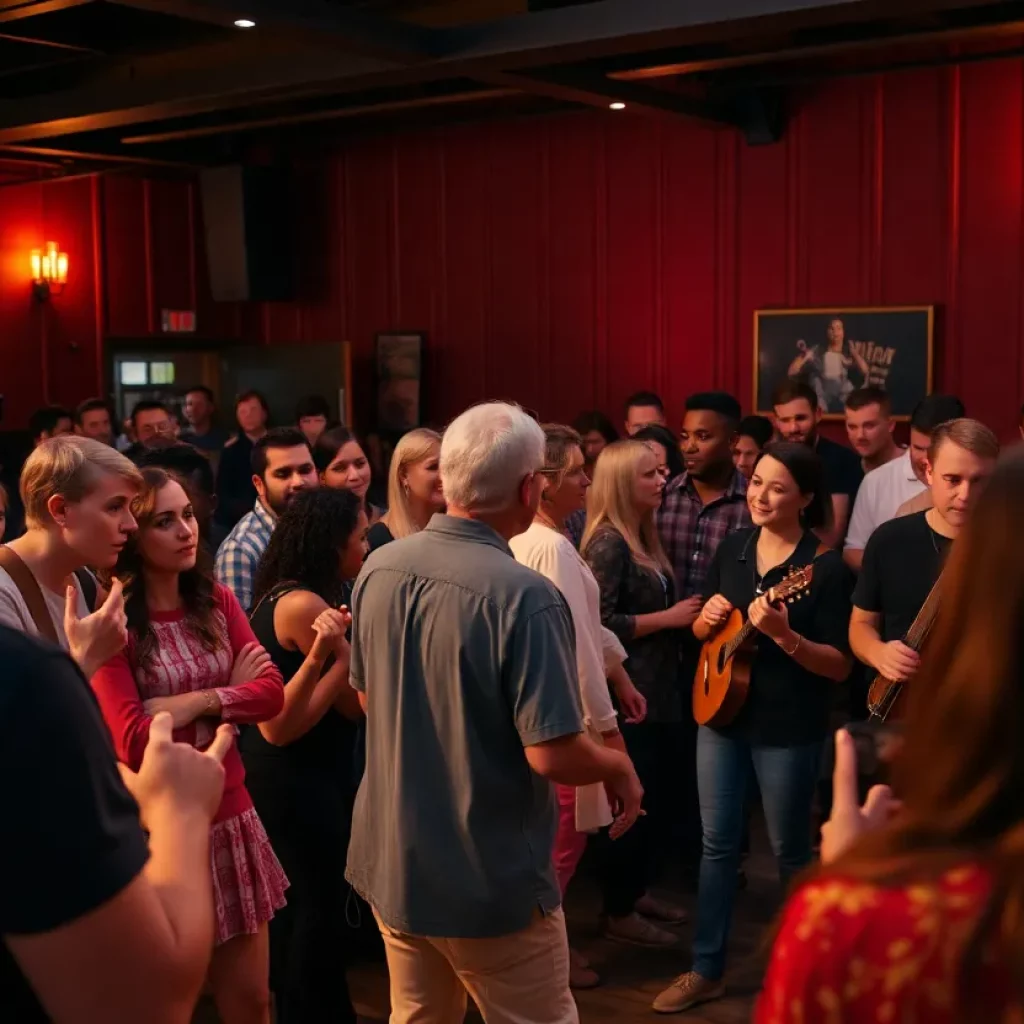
[797, 415]
[282, 466]
[870, 426]
[905, 556]
[699, 509]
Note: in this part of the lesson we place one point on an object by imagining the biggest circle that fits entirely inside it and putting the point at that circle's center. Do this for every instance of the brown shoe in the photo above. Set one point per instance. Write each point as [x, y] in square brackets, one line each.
[583, 977]
[687, 991]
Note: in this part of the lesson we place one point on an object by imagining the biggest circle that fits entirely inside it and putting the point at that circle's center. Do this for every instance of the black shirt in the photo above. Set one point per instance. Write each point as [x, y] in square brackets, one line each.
[902, 561]
[236, 493]
[787, 705]
[842, 468]
[69, 831]
[378, 535]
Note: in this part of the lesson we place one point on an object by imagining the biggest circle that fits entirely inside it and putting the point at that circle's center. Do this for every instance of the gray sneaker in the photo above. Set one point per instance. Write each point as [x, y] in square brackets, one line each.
[634, 930]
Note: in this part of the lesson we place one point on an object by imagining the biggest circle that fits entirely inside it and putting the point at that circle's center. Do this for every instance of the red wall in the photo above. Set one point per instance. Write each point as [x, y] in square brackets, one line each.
[566, 261]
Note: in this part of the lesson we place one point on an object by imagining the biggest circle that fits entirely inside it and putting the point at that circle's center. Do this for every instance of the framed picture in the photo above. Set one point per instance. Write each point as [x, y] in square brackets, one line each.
[837, 350]
[399, 379]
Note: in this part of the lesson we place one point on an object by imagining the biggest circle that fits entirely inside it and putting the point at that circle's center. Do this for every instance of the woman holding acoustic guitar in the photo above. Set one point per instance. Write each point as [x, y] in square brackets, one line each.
[799, 651]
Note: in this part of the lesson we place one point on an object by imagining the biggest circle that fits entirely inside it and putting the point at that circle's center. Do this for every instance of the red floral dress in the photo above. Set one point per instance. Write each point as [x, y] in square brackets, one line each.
[850, 952]
[248, 881]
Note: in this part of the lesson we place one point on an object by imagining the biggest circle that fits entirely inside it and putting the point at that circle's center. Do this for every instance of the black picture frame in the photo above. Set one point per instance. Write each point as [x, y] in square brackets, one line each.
[398, 359]
[891, 347]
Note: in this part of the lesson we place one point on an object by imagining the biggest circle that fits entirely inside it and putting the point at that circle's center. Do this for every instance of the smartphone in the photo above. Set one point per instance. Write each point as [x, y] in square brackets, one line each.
[877, 744]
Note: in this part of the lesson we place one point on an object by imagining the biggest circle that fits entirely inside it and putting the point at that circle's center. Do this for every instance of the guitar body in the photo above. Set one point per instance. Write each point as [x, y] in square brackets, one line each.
[887, 701]
[721, 684]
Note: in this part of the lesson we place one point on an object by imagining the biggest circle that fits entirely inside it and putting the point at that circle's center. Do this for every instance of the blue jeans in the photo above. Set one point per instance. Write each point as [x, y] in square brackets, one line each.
[787, 778]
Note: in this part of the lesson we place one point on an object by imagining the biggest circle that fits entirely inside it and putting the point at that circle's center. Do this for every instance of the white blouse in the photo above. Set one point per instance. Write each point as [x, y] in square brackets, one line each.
[598, 650]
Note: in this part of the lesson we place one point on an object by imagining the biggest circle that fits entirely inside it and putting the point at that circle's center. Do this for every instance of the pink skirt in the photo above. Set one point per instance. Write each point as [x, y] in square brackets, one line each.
[248, 880]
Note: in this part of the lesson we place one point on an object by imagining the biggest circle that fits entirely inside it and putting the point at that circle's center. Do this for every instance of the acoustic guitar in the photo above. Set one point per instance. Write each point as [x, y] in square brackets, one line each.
[723, 672]
[887, 698]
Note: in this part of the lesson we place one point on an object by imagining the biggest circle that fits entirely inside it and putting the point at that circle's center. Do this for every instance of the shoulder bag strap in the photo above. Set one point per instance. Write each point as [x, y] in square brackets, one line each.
[28, 587]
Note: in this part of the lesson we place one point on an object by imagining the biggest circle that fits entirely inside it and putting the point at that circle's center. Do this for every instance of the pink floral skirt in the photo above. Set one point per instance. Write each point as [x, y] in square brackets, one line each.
[248, 880]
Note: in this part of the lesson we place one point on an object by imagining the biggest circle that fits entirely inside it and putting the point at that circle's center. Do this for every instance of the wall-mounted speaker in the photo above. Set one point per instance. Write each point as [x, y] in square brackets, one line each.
[248, 225]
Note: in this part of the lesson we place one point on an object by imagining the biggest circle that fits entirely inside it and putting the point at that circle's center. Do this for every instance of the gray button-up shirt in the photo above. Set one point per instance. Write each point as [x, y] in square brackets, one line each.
[466, 657]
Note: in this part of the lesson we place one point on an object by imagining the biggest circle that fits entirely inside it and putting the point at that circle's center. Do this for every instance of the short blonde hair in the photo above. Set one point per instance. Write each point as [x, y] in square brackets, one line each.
[970, 435]
[413, 447]
[70, 467]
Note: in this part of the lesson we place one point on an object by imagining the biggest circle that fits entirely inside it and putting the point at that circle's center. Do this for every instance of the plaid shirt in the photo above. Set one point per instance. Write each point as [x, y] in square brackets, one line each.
[691, 531]
[241, 551]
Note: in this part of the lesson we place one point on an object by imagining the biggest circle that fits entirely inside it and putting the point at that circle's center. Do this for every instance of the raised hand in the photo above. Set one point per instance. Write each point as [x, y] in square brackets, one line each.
[849, 819]
[176, 777]
[250, 663]
[95, 639]
[330, 627]
[716, 611]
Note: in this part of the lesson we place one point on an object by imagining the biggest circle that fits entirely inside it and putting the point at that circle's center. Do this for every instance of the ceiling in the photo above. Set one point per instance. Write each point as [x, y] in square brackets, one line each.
[100, 84]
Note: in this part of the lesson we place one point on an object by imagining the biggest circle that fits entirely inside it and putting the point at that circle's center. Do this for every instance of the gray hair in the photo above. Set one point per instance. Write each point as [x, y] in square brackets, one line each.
[485, 454]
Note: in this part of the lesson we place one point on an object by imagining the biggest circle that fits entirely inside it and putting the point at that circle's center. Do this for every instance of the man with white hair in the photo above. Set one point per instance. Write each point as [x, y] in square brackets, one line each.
[465, 660]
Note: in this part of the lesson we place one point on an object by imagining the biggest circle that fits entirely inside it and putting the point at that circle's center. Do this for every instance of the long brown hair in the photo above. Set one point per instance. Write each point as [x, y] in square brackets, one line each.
[960, 772]
[194, 585]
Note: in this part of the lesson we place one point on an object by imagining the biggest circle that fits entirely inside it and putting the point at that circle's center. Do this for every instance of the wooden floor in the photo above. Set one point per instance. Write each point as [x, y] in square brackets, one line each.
[633, 977]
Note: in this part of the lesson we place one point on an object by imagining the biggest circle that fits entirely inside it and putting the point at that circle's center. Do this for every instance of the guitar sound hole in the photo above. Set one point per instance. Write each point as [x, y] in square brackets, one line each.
[721, 660]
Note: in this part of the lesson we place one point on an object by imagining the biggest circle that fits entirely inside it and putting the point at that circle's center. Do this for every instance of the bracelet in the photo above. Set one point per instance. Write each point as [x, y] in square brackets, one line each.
[208, 697]
[796, 646]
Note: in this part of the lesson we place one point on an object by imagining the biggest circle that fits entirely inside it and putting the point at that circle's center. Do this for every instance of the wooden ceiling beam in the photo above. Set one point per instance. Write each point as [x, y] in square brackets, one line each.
[319, 21]
[18, 10]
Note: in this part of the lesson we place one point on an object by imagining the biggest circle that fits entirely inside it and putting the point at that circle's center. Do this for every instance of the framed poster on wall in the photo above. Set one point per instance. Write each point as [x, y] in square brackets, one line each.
[837, 350]
[399, 360]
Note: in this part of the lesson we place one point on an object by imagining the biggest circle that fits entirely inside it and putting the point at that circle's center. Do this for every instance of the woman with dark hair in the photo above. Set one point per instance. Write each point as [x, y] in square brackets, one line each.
[918, 915]
[192, 654]
[666, 448]
[802, 650]
[300, 764]
[596, 433]
[342, 463]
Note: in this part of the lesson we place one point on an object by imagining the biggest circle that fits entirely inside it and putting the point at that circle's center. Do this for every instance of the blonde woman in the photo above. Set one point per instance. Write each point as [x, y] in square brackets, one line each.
[621, 546]
[414, 488]
[546, 548]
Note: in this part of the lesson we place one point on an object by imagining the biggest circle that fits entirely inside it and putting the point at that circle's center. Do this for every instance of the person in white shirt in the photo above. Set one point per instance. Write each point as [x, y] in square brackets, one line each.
[886, 489]
[546, 548]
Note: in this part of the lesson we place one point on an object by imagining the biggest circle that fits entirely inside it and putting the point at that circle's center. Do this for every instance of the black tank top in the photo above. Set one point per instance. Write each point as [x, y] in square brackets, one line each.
[327, 749]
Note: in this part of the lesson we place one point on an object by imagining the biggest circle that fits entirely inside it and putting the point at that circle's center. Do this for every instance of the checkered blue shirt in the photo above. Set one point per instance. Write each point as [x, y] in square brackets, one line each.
[241, 551]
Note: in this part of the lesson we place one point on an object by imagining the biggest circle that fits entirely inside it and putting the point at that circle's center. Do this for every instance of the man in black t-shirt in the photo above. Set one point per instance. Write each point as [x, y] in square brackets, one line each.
[95, 926]
[797, 416]
[904, 557]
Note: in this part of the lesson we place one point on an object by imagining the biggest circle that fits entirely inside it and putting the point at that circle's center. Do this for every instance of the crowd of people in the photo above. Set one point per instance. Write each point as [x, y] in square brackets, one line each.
[311, 695]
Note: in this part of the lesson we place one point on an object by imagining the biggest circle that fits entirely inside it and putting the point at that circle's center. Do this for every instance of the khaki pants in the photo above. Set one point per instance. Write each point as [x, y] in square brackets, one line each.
[515, 979]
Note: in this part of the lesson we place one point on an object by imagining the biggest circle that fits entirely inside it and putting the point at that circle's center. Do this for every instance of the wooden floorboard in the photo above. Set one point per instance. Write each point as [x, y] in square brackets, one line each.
[632, 977]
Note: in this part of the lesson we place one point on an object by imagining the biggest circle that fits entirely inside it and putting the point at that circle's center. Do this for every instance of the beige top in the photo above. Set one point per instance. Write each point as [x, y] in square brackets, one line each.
[15, 614]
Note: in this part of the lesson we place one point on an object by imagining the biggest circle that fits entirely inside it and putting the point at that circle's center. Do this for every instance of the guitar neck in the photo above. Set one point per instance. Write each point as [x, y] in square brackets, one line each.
[924, 620]
[745, 633]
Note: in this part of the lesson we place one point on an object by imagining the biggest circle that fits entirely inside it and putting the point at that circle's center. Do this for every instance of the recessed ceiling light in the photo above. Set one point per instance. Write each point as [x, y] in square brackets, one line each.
[245, 23]
[616, 106]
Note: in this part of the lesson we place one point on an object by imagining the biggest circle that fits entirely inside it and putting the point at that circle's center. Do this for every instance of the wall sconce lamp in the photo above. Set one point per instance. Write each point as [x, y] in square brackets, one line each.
[49, 271]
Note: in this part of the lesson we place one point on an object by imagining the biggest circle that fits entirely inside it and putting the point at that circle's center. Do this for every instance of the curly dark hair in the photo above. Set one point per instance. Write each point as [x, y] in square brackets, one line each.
[305, 545]
[195, 586]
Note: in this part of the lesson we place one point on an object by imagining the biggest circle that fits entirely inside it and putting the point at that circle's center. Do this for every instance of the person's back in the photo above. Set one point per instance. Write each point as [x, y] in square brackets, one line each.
[453, 831]
[464, 661]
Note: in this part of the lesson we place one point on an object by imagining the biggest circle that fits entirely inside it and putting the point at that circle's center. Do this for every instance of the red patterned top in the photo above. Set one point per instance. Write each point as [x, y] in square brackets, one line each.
[851, 952]
[180, 664]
